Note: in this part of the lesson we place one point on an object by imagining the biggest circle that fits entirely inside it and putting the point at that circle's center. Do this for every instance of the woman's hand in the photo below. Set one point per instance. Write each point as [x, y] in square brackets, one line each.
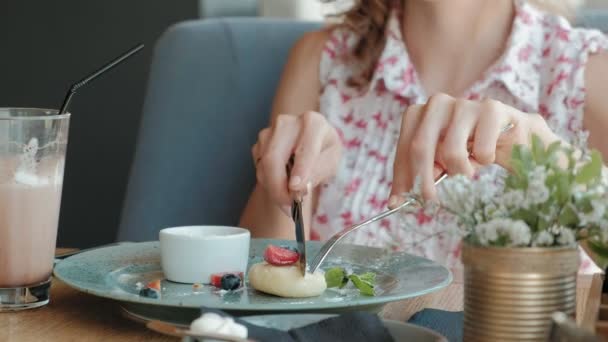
[455, 136]
[317, 149]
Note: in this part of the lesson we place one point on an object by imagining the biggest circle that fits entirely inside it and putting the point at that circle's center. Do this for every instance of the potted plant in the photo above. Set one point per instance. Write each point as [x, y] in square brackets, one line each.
[520, 236]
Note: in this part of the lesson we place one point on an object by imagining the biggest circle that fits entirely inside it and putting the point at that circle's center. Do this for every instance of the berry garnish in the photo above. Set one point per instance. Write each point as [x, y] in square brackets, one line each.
[149, 293]
[216, 279]
[230, 282]
[155, 284]
[279, 256]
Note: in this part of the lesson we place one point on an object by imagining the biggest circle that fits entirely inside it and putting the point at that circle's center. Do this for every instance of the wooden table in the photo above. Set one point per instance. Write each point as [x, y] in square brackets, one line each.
[75, 316]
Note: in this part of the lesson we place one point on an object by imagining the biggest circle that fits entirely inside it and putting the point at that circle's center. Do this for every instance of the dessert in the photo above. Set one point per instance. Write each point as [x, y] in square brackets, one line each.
[279, 275]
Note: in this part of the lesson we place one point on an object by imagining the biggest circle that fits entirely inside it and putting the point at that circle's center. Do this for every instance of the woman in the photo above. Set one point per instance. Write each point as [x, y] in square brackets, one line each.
[398, 89]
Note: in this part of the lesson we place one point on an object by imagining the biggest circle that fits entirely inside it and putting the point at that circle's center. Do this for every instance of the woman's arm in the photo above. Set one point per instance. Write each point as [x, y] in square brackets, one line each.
[298, 92]
[596, 103]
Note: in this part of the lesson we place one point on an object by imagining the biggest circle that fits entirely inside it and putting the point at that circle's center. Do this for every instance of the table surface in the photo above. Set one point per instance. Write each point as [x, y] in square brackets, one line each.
[75, 316]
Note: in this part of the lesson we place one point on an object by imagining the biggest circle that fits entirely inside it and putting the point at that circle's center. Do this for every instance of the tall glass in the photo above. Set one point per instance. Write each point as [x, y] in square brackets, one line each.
[32, 157]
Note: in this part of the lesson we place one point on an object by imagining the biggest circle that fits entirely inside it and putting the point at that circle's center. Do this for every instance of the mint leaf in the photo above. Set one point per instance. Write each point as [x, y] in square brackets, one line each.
[364, 287]
[336, 277]
[369, 277]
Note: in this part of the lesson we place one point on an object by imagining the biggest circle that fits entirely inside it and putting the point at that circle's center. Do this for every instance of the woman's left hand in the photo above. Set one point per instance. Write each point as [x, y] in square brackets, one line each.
[456, 136]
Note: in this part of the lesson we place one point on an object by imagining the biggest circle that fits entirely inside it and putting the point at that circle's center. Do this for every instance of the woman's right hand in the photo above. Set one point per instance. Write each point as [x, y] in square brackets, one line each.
[317, 149]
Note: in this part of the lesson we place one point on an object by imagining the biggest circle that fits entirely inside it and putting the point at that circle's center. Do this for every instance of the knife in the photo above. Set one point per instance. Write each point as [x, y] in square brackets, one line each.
[296, 215]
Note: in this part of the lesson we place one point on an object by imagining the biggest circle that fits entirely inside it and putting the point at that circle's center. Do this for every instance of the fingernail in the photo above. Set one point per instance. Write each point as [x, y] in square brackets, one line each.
[308, 187]
[286, 210]
[295, 181]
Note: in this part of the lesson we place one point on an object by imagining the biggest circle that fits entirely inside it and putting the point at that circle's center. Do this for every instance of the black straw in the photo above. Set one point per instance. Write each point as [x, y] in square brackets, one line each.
[103, 69]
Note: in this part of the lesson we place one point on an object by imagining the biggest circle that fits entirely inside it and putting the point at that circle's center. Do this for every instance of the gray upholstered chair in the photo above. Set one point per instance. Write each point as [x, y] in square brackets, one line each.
[209, 93]
[210, 88]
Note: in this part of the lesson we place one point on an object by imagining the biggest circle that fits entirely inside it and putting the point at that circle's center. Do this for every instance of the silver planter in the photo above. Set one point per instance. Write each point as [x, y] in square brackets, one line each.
[511, 293]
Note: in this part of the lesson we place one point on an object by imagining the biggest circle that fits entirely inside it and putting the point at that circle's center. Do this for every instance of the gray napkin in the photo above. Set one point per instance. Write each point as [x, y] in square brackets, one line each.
[446, 323]
[351, 327]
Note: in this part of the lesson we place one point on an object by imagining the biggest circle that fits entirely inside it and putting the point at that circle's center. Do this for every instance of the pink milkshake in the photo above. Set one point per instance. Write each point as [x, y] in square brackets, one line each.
[29, 214]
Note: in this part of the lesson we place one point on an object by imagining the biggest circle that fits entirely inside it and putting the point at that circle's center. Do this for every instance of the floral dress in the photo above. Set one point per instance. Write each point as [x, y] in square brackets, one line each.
[541, 71]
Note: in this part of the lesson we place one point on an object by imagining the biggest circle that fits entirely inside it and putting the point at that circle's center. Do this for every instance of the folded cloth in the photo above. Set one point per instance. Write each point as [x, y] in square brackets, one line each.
[446, 323]
[355, 327]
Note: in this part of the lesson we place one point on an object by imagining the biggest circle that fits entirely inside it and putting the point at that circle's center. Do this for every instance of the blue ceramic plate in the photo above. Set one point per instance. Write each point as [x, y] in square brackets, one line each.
[115, 272]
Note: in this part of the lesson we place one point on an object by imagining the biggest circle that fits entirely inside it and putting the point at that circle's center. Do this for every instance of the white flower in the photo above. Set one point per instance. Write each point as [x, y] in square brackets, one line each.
[513, 199]
[580, 140]
[493, 211]
[551, 215]
[596, 215]
[566, 237]
[517, 233]
[544, 238]
[485, 188]
[537, 192]
[457, 196]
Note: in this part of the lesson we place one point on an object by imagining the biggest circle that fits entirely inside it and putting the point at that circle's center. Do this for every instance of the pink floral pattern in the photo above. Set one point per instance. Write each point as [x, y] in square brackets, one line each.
[541, 71]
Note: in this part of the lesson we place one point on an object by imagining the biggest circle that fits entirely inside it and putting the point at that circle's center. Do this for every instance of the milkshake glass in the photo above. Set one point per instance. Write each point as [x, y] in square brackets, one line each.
[32, 157]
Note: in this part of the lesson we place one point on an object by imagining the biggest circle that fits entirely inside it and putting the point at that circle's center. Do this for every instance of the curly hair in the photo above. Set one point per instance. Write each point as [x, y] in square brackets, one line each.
[368, 19]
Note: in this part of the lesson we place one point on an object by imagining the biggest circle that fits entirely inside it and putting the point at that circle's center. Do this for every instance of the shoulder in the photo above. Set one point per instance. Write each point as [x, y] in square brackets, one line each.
[321, 52]
[567, 52]
[306, 51]
[331, 41]
[319, 49]
[567, 44]
[311, 42]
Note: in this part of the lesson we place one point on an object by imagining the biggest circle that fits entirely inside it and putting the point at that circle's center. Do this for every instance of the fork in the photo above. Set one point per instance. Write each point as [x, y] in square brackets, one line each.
[333, 241]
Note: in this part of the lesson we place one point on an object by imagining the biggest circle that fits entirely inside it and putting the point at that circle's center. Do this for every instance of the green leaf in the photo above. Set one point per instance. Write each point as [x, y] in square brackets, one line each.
[562, 192]
[518, 167]
[364, 287]
[368, 277]
[598, 248]
[335, 277]
[584, 204]
[551, 181]
[591, 171]
[528, 216]
[538, 150]
[568, 217]
[501, 241]
[526, 159]
[542, 225]
[553, 149]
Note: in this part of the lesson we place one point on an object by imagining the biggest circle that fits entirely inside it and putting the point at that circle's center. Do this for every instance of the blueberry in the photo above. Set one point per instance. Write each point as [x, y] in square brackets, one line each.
[148, 292]
[230, 282]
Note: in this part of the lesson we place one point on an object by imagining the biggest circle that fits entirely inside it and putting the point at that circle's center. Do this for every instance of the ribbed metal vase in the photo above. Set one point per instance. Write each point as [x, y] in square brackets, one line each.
[510, 293]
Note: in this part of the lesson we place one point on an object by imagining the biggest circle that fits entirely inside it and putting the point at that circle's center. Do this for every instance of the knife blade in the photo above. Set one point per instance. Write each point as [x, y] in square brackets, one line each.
[296, 215]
